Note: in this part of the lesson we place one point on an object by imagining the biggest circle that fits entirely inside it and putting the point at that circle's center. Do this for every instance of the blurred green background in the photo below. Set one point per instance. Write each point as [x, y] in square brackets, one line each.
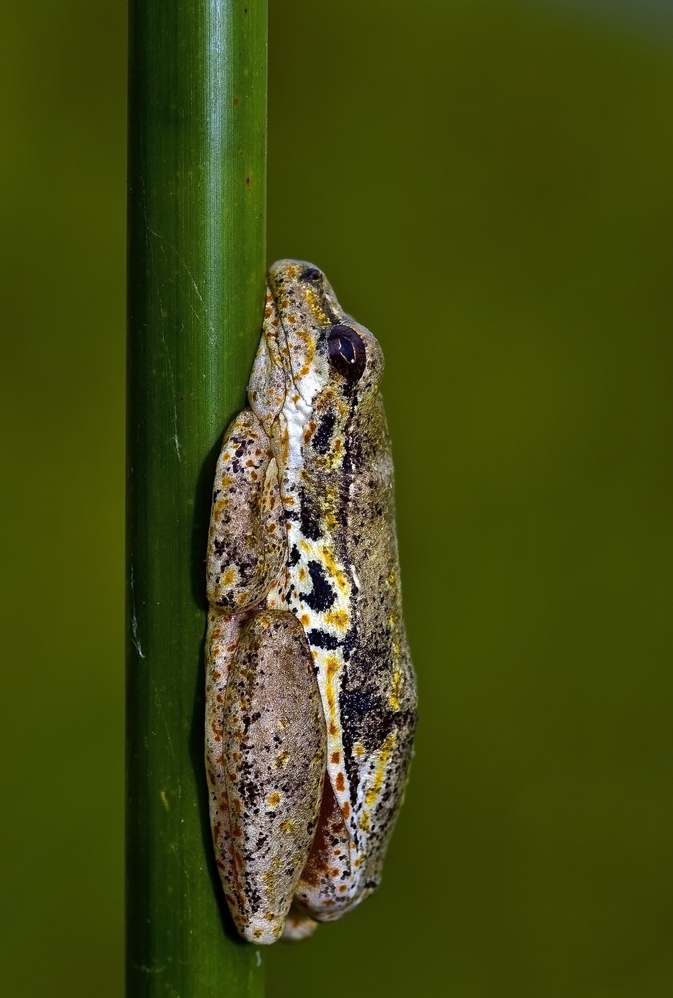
[488, 186]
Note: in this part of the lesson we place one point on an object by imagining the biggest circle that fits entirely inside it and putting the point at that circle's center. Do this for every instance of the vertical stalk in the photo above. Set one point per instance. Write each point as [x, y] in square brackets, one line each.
[196, 289]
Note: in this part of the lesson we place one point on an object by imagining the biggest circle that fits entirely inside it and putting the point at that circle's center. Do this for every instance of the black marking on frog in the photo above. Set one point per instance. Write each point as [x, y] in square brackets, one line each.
[321, 639]
[322, 596]
[309, 517]
[323, 435]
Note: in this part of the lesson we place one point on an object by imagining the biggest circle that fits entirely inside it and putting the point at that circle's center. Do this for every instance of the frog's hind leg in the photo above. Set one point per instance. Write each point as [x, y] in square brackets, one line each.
[274, 751]
[330, 883]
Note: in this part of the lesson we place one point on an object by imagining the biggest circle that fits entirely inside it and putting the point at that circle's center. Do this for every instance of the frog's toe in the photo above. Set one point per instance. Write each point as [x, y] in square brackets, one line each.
[298, 926]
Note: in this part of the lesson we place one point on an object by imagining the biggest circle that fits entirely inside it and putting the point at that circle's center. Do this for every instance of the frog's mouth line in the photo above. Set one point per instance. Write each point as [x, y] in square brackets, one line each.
[294, 350]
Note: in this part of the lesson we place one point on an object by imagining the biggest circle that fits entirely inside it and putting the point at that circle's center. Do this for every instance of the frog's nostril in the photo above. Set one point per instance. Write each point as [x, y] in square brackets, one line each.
[312, 274]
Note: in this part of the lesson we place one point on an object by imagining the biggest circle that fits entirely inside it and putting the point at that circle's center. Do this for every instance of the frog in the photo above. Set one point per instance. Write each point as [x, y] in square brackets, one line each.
[311, 701]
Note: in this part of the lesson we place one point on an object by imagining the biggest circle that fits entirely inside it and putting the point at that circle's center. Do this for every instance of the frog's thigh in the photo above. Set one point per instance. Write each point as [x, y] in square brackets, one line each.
[247, 546]
[275, 754]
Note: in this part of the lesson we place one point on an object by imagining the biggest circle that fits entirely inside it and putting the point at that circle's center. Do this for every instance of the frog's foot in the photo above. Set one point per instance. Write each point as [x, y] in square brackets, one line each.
[298, 926]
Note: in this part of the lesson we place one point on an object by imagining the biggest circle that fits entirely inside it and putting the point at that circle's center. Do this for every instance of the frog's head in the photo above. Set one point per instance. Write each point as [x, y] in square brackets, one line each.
[310, 347]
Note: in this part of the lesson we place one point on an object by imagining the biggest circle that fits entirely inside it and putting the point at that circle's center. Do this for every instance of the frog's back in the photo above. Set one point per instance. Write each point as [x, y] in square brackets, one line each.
[347, 571]
[378, 690]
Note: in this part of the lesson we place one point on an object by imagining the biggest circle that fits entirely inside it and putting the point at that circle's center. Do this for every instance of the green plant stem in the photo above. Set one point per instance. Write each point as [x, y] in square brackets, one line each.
[196, 292]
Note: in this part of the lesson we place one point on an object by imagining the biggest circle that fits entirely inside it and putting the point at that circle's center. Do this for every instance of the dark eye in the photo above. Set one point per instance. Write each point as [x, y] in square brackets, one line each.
[311, 274]
[347, 353]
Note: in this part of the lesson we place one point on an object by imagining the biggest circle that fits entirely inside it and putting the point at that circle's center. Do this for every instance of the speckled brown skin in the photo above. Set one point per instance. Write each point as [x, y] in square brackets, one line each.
[275, 767]
[303, 534]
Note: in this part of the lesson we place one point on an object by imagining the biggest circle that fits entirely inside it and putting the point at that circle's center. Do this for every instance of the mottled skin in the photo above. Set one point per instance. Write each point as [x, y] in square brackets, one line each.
[311, 699]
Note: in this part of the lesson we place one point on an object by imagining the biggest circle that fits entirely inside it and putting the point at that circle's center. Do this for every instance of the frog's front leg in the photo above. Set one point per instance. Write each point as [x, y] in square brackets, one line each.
[247, 544]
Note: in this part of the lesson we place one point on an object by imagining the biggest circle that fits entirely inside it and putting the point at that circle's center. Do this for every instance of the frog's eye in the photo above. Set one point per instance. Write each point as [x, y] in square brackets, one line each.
[347, 353]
